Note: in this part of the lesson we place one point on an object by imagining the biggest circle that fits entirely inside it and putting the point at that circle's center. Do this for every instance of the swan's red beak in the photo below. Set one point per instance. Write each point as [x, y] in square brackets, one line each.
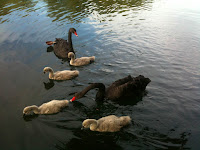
[76, 34]
[73, 99]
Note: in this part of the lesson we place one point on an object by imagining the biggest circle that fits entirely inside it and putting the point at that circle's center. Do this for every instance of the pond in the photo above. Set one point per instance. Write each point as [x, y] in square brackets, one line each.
[155, 38]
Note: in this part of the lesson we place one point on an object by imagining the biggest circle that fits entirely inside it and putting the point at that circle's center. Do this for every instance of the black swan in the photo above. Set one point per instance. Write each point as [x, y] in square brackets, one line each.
[120, 89]
[63, 47]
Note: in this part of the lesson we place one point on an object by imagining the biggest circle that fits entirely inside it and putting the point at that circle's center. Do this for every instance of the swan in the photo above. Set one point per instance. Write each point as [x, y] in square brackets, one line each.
[80, 61]
[125, 87]
[52, 107]
[61, 75]
[110, 123]
[63, 47]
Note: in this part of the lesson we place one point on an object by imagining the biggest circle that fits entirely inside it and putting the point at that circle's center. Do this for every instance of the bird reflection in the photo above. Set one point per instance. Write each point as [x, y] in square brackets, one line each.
[93, 141]
[50, 49]
[49, 84]
[30, 117]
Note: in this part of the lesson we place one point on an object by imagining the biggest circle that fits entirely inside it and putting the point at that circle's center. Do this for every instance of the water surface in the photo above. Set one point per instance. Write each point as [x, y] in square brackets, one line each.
[156, 38]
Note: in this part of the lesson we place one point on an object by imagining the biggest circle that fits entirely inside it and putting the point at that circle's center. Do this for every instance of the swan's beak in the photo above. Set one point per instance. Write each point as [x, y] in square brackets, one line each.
[73, 99]
[76, 34]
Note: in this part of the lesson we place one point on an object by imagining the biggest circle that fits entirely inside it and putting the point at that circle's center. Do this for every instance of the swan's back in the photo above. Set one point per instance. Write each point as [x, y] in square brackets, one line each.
[127, 87]
[66, 74]
[83, 61]
[142, 82]
[112, 123]
[121, 81]
[53, 106]
[62, 48]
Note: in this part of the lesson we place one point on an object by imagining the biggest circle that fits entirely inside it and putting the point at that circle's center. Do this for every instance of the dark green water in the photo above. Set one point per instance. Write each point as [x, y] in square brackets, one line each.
[159, 39]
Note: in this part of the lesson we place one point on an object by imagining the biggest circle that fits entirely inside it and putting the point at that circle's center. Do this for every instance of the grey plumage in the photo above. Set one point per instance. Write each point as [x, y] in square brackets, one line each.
[51, 107]
[61, 75]
[110, 123]
[80, 61]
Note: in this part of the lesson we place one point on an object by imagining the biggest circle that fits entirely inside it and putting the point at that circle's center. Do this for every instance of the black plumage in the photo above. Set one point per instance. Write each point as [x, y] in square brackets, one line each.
[63, 47]
[125, 87]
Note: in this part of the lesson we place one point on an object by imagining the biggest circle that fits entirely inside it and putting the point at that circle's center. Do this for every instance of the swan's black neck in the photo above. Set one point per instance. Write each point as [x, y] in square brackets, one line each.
[100, 94]
[70, 41]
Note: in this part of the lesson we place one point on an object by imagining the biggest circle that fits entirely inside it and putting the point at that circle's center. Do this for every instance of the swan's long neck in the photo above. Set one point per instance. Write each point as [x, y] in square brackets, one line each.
[70, 41]
[72, 59]
[51, 74]
[100, 94]
[93, 124]
[34, 109]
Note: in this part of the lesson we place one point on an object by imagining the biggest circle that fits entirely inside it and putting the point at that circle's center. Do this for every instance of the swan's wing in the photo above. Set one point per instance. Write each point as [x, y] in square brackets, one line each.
[58, 75]
[82, 61]
[52, 107]
[65, 74]
[62, 75]
[61, 48]
[109, 124]
[117, 89]
[121, 81]
[138, 84]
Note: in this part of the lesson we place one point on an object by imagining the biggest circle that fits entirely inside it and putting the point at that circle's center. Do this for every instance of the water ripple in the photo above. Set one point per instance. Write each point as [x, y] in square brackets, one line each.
[127, 37]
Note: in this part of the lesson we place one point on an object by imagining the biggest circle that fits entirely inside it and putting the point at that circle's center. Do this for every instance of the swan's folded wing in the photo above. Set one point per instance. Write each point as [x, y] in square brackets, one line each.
[121, 81]
[58, 76]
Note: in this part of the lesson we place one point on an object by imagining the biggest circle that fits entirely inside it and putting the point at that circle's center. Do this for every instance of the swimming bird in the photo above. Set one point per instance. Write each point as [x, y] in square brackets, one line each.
[80, 61]
[51, 107]
[110, 123]
[63, 47]
[61, 75]
[120, 89]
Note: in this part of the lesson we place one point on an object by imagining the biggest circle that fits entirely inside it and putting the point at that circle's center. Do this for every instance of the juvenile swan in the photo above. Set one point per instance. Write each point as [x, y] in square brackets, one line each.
[110, 123]
[80, 61]
[51, 107]
[61, 75]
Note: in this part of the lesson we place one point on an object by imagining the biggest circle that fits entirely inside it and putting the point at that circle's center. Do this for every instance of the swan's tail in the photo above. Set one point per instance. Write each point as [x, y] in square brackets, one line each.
[50, 42]
[125, 120]
[76, 73]
[92, 59]
[142, 82]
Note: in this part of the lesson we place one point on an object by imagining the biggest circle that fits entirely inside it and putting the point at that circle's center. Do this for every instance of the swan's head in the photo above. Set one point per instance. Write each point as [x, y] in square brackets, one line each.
[29, 110]
[70, 55]
[72, 30]
[86, 124]
[89, 123]
[47, 69]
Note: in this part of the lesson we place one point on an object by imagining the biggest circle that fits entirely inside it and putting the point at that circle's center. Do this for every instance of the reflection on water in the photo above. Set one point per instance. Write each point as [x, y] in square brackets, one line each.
[49, 84]
[158, 39]
[72, 11]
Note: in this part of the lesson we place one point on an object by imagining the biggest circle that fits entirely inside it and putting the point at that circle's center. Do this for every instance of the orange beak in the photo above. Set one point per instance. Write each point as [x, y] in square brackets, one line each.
[76, 34]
